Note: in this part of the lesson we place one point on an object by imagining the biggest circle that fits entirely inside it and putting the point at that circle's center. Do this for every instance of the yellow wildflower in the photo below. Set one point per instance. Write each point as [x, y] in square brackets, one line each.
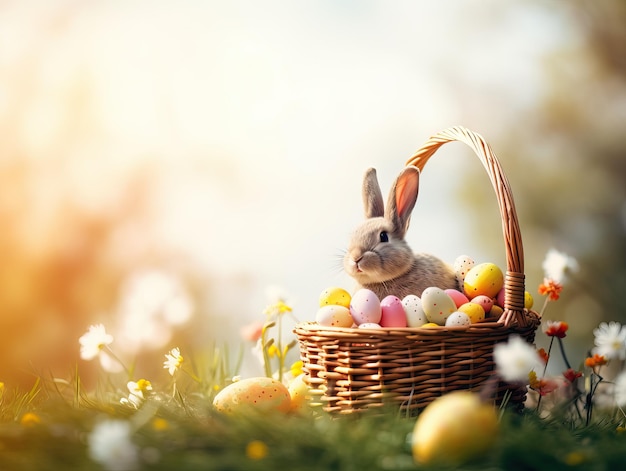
[29, 419]
[273, 350]
[256, 450]
[296, 368]
[574, 458]
[277, 309]
[159, 424]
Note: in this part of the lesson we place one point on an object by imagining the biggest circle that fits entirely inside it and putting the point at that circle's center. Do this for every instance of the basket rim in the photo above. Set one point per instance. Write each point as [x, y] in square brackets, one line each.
[311, 327]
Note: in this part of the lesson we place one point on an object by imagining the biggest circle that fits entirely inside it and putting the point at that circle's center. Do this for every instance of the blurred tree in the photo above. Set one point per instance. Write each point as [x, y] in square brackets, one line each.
[566, 160]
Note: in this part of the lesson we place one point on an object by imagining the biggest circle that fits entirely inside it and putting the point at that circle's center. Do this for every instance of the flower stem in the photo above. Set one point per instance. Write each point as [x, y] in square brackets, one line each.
[281, 359]
[545, 368]
[543, 308]
[563, 352]
[112, 354]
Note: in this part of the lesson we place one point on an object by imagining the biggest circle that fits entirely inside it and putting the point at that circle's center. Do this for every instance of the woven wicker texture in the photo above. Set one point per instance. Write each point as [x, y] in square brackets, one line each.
[350, 370]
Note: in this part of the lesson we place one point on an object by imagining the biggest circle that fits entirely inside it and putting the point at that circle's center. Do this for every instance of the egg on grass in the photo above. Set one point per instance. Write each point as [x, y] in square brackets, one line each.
[259, 394]
[453, 429]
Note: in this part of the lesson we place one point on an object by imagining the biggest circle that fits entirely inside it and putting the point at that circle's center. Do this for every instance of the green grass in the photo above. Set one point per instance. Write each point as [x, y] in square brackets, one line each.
[183, 432]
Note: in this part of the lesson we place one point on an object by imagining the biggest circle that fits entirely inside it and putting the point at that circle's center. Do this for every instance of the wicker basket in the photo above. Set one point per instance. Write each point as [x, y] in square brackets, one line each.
[351, 370]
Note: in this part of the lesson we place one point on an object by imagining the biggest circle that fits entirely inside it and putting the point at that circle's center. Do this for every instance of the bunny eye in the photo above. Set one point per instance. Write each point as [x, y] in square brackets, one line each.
[384, 237]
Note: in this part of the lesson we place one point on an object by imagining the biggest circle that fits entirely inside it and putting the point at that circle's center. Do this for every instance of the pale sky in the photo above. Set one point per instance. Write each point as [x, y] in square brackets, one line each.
[263, 116]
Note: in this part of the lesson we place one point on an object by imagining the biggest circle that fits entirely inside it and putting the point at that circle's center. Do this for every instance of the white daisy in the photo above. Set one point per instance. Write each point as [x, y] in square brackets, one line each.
[516, 359]
[610, 340]
[558, 265]
[173, 360]
[93, 341]
[620, 389]
[137, 392]
[110, 445]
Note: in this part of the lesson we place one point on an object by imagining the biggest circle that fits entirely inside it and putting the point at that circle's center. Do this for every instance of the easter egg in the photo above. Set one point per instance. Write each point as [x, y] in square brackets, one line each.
[415, 315]
[453, 429]
[474, 311]
[484, 278]
[335, 296]
[437, 305]
[458, 319]
[462, 264]
[365, 307]
[528, 300]
[496, 311]
[259, 393]
[485, 301]
[499, 299]
[458, 297]
[392, 312]
[298, 391]
[334, 316]
[430, 325]
[369, 325]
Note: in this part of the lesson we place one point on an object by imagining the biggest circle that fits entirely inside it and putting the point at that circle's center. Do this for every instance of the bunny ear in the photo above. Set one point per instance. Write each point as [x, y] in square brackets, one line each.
[402, 198]
[372, 196]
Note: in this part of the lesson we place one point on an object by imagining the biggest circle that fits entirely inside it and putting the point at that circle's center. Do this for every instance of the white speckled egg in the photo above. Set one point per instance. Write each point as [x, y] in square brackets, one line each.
[334, 316]
[370, 325]
[365, 307]
[437, 305]
[462, 265]
[458, 319]
[415, 315]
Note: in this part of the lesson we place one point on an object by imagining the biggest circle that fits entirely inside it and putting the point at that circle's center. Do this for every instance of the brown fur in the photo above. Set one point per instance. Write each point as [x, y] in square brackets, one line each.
[391, 267]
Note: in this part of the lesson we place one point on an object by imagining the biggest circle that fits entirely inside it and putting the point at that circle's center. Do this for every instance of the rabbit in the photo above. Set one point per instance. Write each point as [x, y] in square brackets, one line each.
[378, 257]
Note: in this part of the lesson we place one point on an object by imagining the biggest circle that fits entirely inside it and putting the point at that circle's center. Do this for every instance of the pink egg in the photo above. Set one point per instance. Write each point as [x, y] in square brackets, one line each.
[393, 314]
[500, 298]
[485, 301]
[458, 297]
[365, 307]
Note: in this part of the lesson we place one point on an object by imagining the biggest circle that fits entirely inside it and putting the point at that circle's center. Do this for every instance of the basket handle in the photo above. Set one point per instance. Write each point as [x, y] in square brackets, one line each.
[514, 277]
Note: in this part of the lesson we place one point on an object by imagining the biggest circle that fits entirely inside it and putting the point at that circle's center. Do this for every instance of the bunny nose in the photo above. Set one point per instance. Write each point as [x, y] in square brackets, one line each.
[356, 264]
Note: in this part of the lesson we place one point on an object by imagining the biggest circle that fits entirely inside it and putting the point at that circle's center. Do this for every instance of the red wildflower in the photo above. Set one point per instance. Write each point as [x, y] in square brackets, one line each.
[543, 354]
[556, 328]
[543, 386]
[252, 331]
[572, 375]
[596, 360]
[550, 288]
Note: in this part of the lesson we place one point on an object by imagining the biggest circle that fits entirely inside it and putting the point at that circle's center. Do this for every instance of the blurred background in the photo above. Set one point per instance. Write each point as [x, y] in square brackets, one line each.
[166, 165]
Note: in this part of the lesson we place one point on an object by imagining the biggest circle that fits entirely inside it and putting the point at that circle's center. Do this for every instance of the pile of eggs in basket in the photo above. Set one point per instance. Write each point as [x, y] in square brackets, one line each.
[482, 297]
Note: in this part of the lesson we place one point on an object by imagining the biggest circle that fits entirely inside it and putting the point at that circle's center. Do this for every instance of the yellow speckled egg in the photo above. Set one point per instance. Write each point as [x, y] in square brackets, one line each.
[258, 393]
[335, 296]
[484, 278]
[528, 300]
[334, 316]
[298, 390]
[474, 311]
[430, 325]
